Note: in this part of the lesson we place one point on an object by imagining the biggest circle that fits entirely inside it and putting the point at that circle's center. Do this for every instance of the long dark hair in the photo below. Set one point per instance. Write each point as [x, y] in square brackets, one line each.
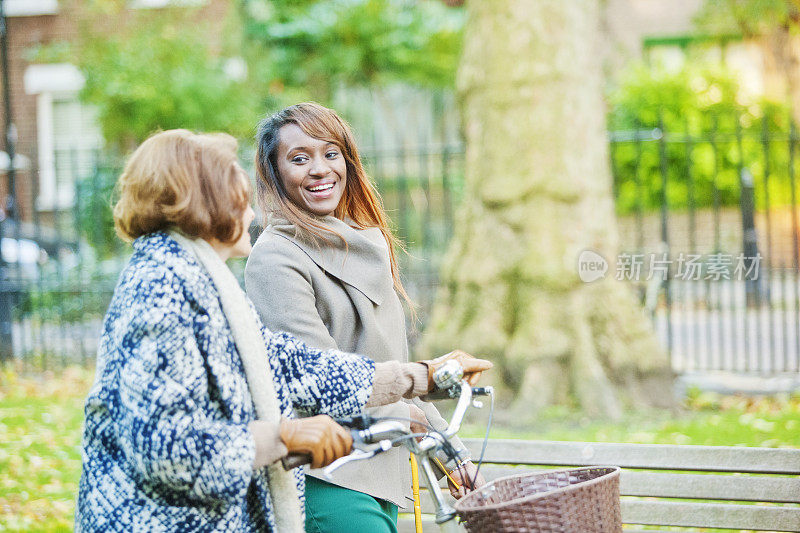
[360, 202]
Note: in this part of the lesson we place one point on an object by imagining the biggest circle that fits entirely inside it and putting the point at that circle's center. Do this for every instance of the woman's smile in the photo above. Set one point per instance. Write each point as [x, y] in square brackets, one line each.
[322, 190]
[313, 171]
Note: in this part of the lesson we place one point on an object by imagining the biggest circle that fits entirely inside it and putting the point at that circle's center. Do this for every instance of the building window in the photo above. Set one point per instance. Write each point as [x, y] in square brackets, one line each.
[28, 8]
[76, 145]
[668, 57]
[68, 136]
[155, 4]
[744, 58]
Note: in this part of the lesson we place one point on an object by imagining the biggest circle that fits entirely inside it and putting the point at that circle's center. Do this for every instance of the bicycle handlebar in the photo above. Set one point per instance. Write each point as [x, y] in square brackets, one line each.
[293, 460]
[371, 437]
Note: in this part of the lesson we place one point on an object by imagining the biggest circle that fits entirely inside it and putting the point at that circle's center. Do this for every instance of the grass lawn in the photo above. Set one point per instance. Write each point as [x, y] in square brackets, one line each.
[40, 459]
[41, 417]
[704, 418]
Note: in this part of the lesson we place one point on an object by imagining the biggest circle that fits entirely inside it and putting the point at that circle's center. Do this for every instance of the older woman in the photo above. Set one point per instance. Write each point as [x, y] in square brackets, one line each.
[194, 400]
[325, 270]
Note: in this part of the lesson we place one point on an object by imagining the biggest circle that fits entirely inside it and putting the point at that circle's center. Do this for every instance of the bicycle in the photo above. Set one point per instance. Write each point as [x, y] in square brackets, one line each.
[583, 499]
[372, 435]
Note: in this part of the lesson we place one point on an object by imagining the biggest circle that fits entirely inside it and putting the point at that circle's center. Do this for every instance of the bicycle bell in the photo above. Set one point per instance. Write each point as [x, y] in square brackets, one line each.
[448, 375]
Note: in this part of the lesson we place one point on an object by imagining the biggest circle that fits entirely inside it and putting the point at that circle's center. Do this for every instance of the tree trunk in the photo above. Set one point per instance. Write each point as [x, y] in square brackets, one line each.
[538, 192]
[781, 51]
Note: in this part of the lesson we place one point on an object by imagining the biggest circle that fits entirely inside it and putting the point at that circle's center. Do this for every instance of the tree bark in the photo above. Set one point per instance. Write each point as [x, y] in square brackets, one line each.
[538, 192]
[781, 52]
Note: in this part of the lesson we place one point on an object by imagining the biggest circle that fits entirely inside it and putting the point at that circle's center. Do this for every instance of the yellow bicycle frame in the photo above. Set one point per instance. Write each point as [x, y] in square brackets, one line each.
[415, 490]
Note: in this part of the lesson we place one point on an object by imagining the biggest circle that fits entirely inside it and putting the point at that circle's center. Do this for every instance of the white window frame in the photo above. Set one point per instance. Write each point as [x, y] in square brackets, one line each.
[51, 83]
[30, 8]
[158, 4]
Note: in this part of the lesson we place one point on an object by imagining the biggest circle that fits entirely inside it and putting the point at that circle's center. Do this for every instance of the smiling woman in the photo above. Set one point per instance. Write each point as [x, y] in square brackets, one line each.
[303, 149]
[313, 171]
[324, 269]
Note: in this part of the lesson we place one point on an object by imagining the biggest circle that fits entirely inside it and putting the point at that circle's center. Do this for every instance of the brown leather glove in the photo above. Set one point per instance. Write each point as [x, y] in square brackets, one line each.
[318, 436]
[464, 475]
[472, 367]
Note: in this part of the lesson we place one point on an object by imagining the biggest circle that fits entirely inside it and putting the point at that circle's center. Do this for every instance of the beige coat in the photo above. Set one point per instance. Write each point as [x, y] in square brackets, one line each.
[333, 296]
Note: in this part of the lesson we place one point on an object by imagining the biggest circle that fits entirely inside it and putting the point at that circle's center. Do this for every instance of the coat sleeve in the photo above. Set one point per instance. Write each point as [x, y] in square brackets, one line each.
[174, 443]
[329, 382]
[283, 295]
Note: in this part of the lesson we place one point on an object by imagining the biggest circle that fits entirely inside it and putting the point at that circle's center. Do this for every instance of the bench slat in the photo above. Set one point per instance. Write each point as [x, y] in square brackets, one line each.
[686, 514]
[711, 515]
[711, 487]
[405, 524]
[653, 456]
[677, 487]
[671, 530]
[749, 488]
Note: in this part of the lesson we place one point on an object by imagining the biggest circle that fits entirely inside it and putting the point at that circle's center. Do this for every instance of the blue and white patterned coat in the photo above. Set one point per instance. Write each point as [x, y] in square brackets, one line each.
[166, 445]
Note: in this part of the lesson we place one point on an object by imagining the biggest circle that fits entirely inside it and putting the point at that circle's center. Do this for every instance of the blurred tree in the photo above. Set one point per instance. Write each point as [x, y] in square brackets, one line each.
[321, 45]
[151, 69]
[775, 26]
[538, 193]
[93, 210]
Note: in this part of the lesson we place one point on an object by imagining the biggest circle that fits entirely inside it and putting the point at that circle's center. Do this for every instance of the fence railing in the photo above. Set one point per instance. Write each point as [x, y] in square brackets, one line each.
[691, 210]
[723, 208]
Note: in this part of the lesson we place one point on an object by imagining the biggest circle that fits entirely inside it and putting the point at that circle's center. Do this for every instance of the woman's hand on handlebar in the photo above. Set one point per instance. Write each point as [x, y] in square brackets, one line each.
[473, 367]
[464, 476]
[317, 436]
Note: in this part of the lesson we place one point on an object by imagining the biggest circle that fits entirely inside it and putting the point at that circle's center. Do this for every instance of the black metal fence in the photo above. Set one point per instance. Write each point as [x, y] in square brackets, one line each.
[59, 264]
[708, 226]
[713, 221]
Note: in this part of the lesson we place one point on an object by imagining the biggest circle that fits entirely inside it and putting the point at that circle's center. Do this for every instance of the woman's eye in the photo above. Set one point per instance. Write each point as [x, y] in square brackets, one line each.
[299, 159]
[332, 154]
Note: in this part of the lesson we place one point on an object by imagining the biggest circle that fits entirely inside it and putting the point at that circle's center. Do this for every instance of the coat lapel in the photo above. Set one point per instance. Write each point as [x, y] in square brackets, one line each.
[353, 262]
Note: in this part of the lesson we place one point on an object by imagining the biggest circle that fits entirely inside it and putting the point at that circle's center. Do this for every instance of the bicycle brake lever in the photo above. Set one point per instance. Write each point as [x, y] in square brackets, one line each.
[356, 455]
[357, 422]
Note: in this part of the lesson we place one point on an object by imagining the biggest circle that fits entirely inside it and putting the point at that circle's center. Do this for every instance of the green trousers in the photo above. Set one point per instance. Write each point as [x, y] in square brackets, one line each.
[334, 509]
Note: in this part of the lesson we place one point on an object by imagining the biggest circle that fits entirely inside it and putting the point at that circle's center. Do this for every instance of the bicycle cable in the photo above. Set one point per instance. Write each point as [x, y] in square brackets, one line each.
[485, 438]
[410, 436]
[405, 419]
[447, 447]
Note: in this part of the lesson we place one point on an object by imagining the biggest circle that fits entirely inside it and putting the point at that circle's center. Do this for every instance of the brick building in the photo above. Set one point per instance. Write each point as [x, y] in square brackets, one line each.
[58, 136]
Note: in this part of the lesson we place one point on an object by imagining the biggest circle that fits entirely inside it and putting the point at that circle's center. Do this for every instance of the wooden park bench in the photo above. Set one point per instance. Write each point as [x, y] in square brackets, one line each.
[684, 487]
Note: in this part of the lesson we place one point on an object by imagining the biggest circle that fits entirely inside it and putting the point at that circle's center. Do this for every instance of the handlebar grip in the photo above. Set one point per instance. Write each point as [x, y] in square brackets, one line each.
[439, 394]
[293, 460]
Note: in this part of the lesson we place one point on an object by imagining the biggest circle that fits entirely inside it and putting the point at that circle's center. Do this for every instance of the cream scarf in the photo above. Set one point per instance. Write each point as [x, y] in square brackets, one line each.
[250, 344]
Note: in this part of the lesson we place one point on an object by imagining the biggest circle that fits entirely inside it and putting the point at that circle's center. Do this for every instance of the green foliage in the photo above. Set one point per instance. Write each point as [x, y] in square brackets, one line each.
[701, 112]
[71, 297]
[52, 52]
[319, 45]
[160, 69]
[750, 17]
[94, 199]
[166, 68]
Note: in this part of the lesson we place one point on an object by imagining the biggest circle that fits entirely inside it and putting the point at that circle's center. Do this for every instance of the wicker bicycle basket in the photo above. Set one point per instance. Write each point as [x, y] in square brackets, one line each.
[582, 500]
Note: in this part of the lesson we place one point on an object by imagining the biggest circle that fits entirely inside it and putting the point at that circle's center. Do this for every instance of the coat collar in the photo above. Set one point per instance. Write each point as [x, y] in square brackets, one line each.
[160, 247]
[362, 262]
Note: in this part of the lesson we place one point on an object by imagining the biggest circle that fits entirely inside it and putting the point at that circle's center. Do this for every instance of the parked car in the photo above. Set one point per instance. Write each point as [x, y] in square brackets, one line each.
[23, 256]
